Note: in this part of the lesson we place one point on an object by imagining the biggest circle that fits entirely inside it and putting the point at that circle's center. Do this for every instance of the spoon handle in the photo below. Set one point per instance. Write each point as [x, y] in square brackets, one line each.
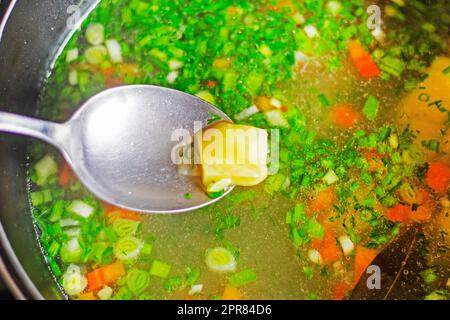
[40, 129]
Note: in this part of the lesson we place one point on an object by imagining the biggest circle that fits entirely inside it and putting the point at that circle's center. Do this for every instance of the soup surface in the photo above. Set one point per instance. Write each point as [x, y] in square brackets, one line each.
[360, 102]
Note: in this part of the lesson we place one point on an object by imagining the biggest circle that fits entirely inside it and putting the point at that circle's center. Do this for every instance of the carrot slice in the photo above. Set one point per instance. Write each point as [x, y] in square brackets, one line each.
[438, 177]
[95, 279]
[66, 176]
[112, 213]
[363, 258]
[102, 276]
[113, 271]
[327, 247]
[344, 116]
[231, 293]
[322, 201]
[399, 213]
[341, 289]
[423, 213]
[362, 60]
[405, 214]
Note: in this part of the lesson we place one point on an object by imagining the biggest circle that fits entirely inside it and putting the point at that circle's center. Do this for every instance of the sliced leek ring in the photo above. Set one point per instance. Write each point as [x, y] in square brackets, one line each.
[220, 260]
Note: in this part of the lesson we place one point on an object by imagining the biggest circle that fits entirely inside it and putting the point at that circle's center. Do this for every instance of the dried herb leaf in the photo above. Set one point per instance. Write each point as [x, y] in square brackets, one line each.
[401, 264]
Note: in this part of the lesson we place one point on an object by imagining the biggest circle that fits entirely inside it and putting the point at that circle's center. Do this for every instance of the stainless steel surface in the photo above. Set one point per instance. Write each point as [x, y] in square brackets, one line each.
[119, 143]
[31, 36]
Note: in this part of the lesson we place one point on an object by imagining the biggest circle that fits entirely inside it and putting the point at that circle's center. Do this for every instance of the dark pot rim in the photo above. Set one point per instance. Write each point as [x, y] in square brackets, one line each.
[11, 270]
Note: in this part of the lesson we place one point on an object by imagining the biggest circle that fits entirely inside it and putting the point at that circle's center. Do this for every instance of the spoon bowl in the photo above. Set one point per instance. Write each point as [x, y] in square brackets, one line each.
[120, 144]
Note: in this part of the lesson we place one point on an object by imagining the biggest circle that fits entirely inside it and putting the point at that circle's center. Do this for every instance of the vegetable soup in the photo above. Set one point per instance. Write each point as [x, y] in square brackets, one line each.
[361, 104]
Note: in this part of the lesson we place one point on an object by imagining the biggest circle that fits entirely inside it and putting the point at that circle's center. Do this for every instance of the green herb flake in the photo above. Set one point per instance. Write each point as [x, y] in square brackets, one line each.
[371, 107]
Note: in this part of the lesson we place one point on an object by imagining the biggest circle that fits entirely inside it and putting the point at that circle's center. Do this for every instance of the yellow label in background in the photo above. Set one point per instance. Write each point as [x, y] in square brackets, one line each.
[236, 152]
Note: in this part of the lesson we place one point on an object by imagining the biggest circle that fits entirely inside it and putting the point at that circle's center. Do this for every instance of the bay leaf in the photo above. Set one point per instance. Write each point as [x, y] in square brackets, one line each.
[400, 264]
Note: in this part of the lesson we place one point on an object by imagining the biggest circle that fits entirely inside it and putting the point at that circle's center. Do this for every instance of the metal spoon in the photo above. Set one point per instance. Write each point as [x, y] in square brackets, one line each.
[119, 144]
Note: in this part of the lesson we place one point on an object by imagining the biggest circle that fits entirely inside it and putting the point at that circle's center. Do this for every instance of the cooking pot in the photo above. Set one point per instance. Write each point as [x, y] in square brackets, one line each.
[31, 34]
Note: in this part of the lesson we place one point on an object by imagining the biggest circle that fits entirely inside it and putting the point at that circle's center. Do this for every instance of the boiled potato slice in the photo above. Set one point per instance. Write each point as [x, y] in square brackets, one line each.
[416, 111]
[234, 152]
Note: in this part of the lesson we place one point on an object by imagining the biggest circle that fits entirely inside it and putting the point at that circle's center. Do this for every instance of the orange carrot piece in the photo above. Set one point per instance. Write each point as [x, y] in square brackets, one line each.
[113, 271]
[112, 213]
[438, 177]
[341, 289]
[102, 276]
[362, 60]
[66, 176]
[87, 296]
[405, 214]
[95, 280]
[363, 258]
[322, 201]
[327, 247]
[423, 213]
[231, 293]
[344, 116]
[399, 213]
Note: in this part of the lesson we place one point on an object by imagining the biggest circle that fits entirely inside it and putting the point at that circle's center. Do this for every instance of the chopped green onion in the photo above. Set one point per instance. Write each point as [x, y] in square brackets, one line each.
[432, 145]
[114, 50]
[330, 177]
[246, 113]
[95, 55]
[323, 100]
[207, 96]
[128, 248]
[71, 251]
[265, 51]
[160, 269]
[242, 278]
[220, 260]
[72, 55]
[253, 83]
[73, 281]
[218, 186]
[334, 7]
[41, 197]
[137, 280]
[81, 208]
[274, 183]
[393, 141]
[53, 249]
[371, 106]
[446, 70]
[105, 293]
[276, 118]
[437, 295]
[73, 77]
[192, 275]
[314, 256]
[347, 245]
[429, 276]
[125, 227]
[392, 66]
[195, 289]
[173, 283]
[45, 168]
[95, 34]
[175, 64]
[57, 210]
